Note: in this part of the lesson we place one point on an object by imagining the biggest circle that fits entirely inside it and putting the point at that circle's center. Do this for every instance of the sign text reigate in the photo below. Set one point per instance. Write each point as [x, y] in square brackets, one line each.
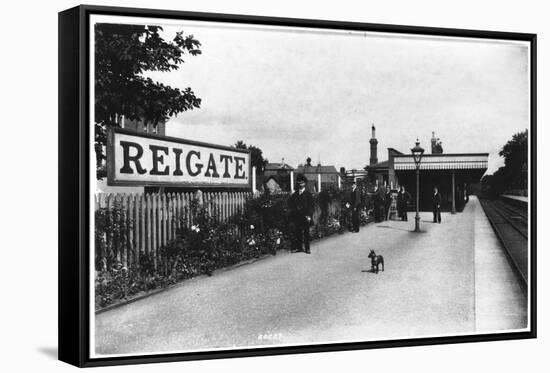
[142, 159]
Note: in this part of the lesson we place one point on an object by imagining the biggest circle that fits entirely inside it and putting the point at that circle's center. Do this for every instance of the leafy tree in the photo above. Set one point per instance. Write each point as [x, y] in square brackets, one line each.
[123, 53]
[496, 183]
[512, 174]
[515, 156]
[256, 155]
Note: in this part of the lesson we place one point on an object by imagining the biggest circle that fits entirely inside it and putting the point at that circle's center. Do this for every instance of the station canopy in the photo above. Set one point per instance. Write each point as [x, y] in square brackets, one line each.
[477, 161]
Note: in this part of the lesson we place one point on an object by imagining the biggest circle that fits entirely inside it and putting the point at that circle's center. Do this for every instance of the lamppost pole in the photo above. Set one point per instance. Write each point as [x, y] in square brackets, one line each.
[417, 152]
[417, 217]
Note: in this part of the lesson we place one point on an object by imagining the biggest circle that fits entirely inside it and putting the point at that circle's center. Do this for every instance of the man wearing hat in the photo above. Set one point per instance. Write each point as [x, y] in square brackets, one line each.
[436, 204]
[300, 204]
[355, 199]
[403, 199]
[378, 197]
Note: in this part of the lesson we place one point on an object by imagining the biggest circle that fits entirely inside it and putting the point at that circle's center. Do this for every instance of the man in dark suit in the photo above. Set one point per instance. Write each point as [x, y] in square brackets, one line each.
[355, 202]
[387, 202]
[300, 204]
[436, 206]
[378, 197]
[403, 199]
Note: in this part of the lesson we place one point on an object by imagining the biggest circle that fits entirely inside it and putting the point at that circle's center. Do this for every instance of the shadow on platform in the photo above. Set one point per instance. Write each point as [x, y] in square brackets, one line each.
[410, 230]
[370, 271]
[395, 228]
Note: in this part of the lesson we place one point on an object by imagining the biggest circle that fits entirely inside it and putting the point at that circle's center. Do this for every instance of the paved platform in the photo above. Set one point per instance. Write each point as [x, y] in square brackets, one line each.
[452, 278]
[501, 302]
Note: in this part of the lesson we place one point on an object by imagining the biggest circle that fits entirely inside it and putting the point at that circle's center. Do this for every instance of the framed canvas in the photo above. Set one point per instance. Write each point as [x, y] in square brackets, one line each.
[234, 186]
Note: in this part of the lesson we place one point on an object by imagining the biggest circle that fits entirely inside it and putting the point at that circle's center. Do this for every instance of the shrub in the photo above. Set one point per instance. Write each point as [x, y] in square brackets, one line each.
[267, 211]
[117, 282]
[205, 243]
[109, 227]
[330, 227]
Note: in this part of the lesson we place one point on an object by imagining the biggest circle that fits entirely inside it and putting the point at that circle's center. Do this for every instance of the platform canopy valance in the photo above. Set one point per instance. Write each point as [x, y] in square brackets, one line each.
[443, 162]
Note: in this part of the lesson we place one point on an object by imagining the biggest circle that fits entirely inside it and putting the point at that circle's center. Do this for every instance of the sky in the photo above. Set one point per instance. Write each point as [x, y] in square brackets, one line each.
[313, 93]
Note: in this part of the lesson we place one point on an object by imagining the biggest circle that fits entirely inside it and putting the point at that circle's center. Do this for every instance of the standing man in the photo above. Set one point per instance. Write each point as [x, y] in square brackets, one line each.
[436, 205]
[466, 193]
[378, 204]
[387, 202]
[300, 204]
[355, 202]
[403, 199]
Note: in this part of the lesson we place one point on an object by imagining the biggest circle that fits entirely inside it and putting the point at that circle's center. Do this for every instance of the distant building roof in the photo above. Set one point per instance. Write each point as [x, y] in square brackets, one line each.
[278, 166]
[394, 151]
[305, 169]
[380, 165]
[384, 165]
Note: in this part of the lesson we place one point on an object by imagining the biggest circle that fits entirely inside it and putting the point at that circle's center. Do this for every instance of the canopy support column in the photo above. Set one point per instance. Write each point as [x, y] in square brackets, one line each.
[453, 209]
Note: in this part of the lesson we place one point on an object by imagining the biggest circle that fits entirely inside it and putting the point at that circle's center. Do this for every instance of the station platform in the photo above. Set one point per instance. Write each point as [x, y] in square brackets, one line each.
[452, 278]
[501, 302]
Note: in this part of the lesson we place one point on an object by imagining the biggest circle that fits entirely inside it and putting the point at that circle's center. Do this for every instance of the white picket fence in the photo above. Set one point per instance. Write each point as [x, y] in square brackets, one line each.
[142, 223]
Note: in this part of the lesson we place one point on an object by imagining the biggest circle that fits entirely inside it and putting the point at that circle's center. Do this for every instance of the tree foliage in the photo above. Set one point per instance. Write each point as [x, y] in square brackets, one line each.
[256, 155]
[515, 152]
[513, 175]
[123, 53]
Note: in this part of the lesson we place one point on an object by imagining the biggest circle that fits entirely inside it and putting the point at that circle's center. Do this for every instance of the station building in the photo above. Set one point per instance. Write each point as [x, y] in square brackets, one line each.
[275, 177]
[453, 174]
[140, 126]
[354, 175]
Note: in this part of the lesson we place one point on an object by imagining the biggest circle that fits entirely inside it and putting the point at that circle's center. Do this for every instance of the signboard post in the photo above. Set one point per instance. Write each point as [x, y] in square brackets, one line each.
[141, 159]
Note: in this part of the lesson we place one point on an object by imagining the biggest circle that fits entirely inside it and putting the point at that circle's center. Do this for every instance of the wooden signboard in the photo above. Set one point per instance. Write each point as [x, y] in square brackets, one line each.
[141, 159]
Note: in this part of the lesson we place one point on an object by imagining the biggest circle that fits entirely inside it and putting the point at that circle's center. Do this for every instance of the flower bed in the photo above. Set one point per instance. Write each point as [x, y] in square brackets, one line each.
[263, 228]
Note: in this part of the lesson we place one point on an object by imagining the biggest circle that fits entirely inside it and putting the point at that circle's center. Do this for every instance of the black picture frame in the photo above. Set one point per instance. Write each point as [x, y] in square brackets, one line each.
[74, 180]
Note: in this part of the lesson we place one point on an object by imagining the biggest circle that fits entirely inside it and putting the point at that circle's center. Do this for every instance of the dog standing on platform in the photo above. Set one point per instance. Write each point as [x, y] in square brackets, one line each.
[375, 261]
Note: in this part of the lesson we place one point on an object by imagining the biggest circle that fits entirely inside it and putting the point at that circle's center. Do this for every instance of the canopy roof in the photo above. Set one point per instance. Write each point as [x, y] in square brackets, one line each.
[443, 161]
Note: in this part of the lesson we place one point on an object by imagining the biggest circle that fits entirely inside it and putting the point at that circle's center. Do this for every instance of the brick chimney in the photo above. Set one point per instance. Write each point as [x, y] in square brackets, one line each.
[437, 148]
[373, 148]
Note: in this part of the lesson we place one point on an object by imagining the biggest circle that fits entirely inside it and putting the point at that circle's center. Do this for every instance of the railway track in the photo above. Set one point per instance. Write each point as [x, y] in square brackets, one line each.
[515, 212]
[512, 216]
[511, 226]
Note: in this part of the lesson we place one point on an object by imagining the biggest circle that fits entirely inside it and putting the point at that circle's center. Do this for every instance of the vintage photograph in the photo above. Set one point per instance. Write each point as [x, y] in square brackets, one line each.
[256, 186]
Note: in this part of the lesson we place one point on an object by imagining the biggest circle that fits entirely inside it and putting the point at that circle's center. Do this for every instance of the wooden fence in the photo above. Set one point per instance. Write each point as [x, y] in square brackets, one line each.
[140, 224]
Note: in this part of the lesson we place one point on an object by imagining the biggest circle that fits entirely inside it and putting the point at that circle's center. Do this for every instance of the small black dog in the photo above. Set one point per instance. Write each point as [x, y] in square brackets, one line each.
[375, 261]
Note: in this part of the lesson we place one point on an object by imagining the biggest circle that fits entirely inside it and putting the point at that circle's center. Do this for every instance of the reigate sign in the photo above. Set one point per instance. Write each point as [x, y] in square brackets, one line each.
[141, 159]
